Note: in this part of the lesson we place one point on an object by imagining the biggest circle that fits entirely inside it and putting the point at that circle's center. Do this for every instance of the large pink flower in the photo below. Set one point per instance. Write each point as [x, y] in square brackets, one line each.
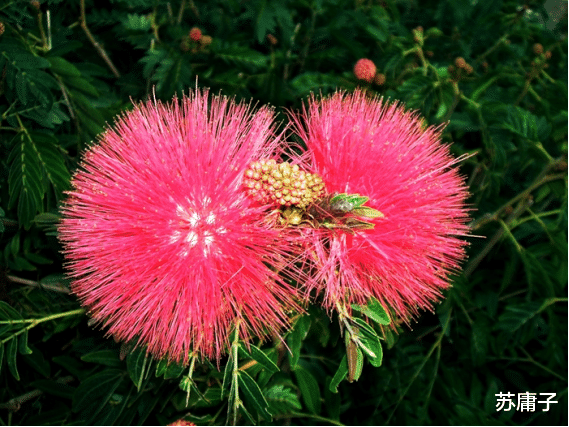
[162, 243]
[361, 145]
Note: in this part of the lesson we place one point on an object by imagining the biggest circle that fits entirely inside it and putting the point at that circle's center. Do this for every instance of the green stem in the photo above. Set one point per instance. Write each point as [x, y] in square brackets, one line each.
[506, 229]
[547, 76]
[432, 381]
[190, 374]
[533, 93]
[539, 365]
[34, 322]
[493, 48]
[235, 356]
[541, 179]
[482, 88]
[422, 365]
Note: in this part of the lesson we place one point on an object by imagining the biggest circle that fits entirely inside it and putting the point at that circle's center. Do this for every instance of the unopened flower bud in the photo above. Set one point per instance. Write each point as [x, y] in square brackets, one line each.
[206, 40]
[272, 39]
[379, 79]
[195, 34]
[538, 48]
[460, 62]
[283, 183]
[365, 70]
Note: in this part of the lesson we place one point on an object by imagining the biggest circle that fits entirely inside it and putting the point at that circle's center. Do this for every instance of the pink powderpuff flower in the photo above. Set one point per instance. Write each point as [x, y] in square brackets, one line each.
[365, 146]
[365, 70]
[163, 246]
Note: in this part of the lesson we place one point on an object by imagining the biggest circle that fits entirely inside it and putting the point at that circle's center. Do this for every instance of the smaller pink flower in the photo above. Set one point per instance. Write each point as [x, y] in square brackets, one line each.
[365, 70]
[195, 34]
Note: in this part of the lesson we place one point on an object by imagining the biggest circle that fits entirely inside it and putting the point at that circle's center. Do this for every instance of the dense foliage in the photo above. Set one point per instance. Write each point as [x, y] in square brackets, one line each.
[494, 70]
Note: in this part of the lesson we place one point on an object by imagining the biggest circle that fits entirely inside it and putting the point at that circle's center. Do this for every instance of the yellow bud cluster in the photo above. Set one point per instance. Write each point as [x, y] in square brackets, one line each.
[282, 183]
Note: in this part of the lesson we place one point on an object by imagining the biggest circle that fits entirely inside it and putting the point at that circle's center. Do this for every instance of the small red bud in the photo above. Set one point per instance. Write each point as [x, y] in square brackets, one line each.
[379, 79]
[195, 34]
[538, 48]
[365, 70]
[460, 62]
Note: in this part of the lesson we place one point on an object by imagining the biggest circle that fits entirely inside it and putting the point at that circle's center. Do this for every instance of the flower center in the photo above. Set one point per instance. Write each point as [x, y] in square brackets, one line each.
[195, 228]
[283, 184]
[302, 200]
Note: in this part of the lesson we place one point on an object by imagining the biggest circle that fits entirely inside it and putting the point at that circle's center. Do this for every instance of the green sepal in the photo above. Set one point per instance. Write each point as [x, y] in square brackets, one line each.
[367, 212]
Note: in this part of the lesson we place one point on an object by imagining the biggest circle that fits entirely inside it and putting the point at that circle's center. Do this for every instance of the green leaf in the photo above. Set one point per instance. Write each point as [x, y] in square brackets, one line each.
[70, 364]
[23, 343]
[1, 355]
[253, 395]
[247, 415]
[168, 370]
[312, 81]
[94, 392]
[81, 84]
[54, 388]
[308, 389]
[375, 311]
[240, 55]
[11, 353]
[525, 124]
[227, 375]
[332, 401]
[136, 366]
[27, 61]
[295, 338]
[282, 400]
[63, 67]
[417, 90]
[104, 357]
[258, 355]
[37, 361]
[372, 343]
[515, 316]
[25, 181]
[368, 342]
[7, 312]
[47, 218]
[137, 22]
[52, 161]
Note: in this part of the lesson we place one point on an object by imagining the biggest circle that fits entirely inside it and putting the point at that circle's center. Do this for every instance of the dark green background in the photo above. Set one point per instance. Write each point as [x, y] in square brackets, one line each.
[501, 328]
